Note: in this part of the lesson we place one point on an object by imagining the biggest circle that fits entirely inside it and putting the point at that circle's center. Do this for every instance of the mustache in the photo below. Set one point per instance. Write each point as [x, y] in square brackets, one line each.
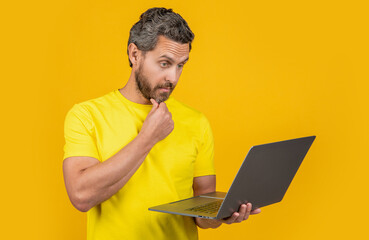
[166, 85]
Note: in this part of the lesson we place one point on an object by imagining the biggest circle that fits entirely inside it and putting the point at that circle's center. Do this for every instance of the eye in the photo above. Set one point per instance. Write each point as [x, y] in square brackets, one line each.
[163, 64]
[180, 65]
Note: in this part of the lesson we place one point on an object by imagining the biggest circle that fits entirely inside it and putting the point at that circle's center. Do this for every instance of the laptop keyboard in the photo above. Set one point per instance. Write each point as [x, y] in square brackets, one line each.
[211, 207]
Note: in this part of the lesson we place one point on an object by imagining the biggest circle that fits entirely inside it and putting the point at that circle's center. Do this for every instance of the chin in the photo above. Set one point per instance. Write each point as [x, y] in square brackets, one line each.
[161, 98]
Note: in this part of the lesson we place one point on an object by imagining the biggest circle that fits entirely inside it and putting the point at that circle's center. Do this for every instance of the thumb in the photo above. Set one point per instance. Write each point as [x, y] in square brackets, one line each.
[154, 104]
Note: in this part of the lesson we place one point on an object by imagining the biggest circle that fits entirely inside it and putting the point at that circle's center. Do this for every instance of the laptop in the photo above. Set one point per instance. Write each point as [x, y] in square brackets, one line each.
[262, 179]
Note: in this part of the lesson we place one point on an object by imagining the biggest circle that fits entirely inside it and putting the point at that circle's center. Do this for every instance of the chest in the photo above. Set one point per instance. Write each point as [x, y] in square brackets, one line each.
[115, 131]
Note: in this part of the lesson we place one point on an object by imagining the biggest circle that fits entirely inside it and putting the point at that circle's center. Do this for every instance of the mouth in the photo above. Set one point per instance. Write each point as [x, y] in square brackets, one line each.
[165, 89]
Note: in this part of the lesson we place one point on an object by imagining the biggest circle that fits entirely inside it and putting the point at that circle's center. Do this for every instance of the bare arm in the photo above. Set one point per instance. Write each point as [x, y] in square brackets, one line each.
[202, 185]
[206, 184]
[89, 182]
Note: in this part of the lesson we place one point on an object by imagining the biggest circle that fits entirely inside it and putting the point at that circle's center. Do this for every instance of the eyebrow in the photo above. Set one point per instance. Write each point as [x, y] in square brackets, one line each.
[171, 59]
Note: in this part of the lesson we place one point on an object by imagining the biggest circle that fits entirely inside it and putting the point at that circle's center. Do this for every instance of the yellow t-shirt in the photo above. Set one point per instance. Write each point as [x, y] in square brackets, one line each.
[102, 126]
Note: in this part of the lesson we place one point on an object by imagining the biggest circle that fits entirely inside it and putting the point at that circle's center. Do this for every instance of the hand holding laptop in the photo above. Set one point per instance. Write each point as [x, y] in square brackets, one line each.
[243, 214]
[237, 217]
[262, 179]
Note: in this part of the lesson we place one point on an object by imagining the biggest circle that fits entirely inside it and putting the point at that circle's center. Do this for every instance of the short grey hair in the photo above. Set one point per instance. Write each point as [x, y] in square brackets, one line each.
[159, 22]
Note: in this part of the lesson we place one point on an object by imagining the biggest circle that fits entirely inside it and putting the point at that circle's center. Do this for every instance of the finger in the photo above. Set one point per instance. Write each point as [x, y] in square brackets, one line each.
[256, 211]
[233, 218]
[154, 103]
[228, 219]
[242, 213]
[248, 211]
[163, 105]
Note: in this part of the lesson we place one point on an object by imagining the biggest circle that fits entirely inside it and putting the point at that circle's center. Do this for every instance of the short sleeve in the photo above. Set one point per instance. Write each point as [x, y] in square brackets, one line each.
[79, 137]
[204, 164]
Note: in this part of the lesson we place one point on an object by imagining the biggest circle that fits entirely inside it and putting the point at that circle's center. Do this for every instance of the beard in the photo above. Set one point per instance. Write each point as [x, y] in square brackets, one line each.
[148, 92]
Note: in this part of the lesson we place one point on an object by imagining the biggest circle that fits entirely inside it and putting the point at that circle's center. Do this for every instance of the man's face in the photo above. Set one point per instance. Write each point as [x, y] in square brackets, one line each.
[159, 70]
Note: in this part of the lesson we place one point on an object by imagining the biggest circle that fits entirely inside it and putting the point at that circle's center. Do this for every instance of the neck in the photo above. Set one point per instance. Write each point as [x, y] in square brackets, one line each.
[131, 92]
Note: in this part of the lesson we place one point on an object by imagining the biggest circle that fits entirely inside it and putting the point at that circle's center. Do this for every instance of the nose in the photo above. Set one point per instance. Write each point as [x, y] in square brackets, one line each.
[172, 76]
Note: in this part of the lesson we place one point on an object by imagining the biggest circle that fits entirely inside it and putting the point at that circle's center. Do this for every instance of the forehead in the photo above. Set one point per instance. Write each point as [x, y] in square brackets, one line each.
[170, 48]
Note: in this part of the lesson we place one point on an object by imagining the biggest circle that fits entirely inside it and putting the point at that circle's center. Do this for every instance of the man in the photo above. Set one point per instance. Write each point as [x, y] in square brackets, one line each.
[137, 147]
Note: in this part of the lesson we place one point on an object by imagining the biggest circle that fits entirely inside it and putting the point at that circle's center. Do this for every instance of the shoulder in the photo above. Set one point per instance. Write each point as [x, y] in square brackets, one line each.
[182, 111]
[85, 112]
[90, 107]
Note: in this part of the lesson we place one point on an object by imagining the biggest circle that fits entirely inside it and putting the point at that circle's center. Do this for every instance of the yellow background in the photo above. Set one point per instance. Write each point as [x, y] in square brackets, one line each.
[261, 71]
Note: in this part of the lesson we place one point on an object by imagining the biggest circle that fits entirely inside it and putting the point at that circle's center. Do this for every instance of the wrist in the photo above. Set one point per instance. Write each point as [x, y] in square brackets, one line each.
[145, 141]
[207, 223]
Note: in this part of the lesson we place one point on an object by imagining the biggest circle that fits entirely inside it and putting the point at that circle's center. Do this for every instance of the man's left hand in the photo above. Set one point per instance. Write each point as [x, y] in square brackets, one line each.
[243, 214]
[237, 217]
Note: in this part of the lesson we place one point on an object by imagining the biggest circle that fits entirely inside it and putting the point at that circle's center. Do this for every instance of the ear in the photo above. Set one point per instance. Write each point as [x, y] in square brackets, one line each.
[134, 54]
